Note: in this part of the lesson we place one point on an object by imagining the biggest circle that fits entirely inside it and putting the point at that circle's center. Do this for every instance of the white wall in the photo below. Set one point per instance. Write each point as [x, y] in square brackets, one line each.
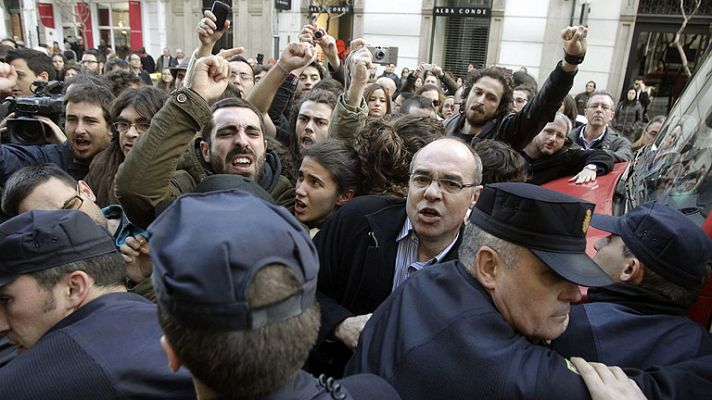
[152, 30]
[394, 23]
[524, 25]
[602, 28]
[288, 25]
[3, 27]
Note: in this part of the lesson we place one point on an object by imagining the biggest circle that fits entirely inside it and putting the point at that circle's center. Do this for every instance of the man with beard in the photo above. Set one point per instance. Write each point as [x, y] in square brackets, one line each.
[552, 155]
[169, 160]
[87, 128]
[488, 95]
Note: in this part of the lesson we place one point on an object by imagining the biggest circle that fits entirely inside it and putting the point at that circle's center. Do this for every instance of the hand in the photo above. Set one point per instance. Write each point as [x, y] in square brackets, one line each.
[297, 55]
[307, 34]
[349, 330]
[3, 123]
[58, 137]
[208, 32]
[360, 60]
[135, 252]
[574, 38]
[210, 77]
[328, 46]
[607, 383]
[437, 71]
[8, 77]
[585, 176]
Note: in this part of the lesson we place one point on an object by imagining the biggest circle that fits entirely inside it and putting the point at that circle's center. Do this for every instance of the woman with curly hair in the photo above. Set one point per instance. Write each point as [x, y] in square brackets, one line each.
[386, 149]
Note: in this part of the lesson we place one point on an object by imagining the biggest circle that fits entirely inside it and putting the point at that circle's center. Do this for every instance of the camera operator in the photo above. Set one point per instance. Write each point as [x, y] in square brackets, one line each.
[87, 127]
[30, 65]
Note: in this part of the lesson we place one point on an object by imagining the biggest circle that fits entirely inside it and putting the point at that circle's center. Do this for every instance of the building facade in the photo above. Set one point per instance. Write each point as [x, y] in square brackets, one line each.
[627, 38]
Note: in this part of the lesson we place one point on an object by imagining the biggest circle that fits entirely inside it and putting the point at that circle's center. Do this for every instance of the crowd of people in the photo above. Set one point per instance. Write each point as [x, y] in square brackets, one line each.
[309, 230]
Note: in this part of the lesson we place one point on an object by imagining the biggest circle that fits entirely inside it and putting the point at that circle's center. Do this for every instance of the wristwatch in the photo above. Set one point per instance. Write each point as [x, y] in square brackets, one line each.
[591, 167]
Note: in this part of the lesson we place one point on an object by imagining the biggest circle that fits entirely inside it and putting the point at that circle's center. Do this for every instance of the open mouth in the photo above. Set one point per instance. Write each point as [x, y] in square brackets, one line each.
[429, 215]
[299, 206]
[81, 143]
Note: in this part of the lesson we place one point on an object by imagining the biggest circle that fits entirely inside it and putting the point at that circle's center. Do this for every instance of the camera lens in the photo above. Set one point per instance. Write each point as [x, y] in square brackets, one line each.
[318, 34]
[380, 55]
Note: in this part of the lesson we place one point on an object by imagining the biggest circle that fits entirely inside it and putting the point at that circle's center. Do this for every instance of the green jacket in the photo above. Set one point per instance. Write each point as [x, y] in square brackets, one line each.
[347, 121]
[166, 162]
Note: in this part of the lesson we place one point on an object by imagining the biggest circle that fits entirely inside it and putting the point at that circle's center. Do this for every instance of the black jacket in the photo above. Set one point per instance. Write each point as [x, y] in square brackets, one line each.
[518, 129]
[569, 160]
[357, 253]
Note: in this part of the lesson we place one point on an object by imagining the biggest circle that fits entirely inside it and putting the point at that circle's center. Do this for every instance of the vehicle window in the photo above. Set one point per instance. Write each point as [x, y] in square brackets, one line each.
[677, 168]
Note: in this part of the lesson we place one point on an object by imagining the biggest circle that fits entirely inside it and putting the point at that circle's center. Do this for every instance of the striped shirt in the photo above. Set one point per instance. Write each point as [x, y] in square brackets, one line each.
[407, 262]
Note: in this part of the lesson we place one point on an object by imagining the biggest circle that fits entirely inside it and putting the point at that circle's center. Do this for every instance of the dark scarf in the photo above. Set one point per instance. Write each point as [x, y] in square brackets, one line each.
[640, 299]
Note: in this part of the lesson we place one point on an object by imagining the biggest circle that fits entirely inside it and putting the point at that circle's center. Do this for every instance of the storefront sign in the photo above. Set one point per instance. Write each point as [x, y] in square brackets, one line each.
[46, 14]
[481, 12]
[283, 4]
[345, 9]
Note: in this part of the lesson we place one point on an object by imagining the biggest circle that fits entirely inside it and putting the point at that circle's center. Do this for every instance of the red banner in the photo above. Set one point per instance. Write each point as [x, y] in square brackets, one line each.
[136, 25]
[46, 14]
[84, 18]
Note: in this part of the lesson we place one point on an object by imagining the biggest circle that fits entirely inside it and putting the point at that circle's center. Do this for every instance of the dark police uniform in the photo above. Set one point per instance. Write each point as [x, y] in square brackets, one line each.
[457, 345]
[108, 349]
[629, 326]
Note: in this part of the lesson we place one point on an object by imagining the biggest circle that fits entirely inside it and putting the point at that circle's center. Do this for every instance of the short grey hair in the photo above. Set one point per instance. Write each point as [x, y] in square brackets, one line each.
[560, 118]
[474, 237]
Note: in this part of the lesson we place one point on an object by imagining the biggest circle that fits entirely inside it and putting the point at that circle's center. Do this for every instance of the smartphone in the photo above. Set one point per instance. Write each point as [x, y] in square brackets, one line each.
[427, 67]
[260, 58]
[221, 12]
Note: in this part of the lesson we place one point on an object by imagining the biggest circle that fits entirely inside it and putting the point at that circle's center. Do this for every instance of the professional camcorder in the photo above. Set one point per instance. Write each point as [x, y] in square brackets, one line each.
[25, 128]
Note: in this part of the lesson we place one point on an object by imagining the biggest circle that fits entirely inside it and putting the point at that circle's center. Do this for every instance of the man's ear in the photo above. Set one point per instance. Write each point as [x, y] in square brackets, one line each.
[77, 286]
[632, 272]
[174, 362]
[476, 194]
[345, 197]
[205, 151]
[86, 190]
[487, 262]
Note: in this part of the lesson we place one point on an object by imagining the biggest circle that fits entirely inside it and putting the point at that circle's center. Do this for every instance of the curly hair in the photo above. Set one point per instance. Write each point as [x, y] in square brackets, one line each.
[385, 159]
[495, 73]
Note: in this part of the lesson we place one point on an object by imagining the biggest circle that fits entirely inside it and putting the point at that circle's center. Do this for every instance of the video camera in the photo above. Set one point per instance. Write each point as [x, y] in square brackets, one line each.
[25, 128]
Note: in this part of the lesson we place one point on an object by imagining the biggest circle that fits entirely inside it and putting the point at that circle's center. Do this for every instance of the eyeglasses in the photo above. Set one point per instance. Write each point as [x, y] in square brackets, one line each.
[448, 185]
[88, 62]
[75, 202]
[124, 126]
[604, 106]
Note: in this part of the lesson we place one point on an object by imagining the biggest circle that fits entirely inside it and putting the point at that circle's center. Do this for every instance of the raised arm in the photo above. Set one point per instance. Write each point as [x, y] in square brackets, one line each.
[144, 178]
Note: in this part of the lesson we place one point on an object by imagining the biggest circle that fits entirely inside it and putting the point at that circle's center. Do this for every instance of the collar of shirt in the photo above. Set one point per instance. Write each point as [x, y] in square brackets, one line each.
[587, 145]
[407, 255]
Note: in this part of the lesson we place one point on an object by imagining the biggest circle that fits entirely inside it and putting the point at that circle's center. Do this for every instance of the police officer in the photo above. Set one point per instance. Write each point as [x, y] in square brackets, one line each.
[478, 326]
[235, 280]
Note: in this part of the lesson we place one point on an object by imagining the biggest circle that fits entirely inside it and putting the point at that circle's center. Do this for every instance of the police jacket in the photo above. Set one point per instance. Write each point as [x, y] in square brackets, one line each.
[14, 157]
[108, 349]
[629, 326]
[611, 142]
[357, 254]
[569, 160]
[439, 336]
[518, 129]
